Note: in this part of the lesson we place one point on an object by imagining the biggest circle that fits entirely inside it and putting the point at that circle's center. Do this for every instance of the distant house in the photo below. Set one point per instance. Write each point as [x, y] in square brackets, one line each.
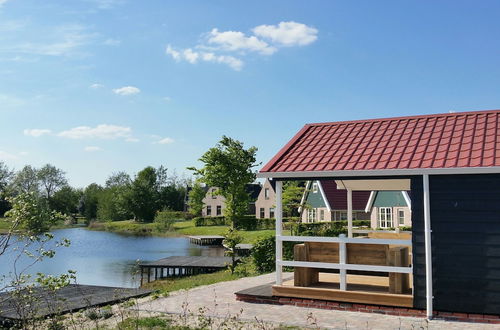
[389, 209]
[266, 201]
[215, 204]
[323, 201]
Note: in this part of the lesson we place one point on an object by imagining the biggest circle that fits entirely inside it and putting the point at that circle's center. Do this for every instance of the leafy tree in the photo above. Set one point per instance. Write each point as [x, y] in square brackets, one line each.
[26, 180]
[195, 201]
[143, 197]
[228, 166]
[118, 179]
[6, 175]
[292, 195]
[66, 200]
[90, 201]
[32, 214]
[51, 178]
[231, 239]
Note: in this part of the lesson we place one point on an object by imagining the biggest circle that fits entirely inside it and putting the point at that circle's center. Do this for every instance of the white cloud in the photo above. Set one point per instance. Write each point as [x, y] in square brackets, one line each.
[132, 139]
[102, 131]
[238, 41]
[92, 149]
[287, 33]
[112, 42]
[2, 2]
[172, 52]
[106, 4]
[193, 57]
[166, 140]
[36, 132]
[167, 98]
[96, 86]
[127, 90]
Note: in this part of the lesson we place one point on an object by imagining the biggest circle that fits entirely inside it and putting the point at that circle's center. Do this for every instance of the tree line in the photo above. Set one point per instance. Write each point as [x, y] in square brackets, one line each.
[122, 197]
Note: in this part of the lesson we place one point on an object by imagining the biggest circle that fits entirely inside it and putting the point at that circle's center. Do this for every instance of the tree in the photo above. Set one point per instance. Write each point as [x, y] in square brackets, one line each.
[6, 175]
[231, 239]
[26, 180]
[51, 179]
[292, 195]
[195, 202]
[143, 198]
[66, 200]
[228, 166]
[90, 201]
[118, 179]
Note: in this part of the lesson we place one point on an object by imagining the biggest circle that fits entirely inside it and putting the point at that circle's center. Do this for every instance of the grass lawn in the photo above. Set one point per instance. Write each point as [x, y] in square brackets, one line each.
[169, 285]
[249, 236]
[181, 228]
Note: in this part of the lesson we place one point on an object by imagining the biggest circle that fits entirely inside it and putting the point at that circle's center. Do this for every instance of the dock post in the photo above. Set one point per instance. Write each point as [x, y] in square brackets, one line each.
[149, 274]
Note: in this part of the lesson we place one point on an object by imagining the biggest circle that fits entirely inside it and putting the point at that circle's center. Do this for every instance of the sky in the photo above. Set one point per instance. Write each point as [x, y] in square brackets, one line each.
[99, 86]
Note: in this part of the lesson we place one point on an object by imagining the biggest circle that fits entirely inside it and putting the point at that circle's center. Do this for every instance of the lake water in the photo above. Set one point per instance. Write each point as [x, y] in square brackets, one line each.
[103, 258]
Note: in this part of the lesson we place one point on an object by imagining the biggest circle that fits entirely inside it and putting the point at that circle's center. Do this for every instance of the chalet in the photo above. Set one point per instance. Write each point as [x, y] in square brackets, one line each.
[214, 204]
[450, 164]
[389, 209]
[323, 201]
[266, 201]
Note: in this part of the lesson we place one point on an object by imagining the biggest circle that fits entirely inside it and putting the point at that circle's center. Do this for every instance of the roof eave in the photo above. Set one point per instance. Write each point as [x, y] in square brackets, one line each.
[383, 172]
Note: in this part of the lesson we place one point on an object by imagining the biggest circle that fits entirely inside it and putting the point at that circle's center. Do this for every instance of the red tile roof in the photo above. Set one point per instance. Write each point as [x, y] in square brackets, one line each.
[337, 198]
[450, 140]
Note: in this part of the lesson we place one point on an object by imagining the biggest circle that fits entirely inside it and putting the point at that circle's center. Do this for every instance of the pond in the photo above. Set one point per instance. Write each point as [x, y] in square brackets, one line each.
[103, 258]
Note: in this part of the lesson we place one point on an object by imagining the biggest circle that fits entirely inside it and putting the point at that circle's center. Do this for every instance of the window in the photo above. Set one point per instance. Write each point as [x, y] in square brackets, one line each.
[271, 212]
[219, 210]
[262, 213]
[266, 193]
[315, 187]
[209, 210]
[311, 215]
[385, 217]
[321, 215]
[401, 217]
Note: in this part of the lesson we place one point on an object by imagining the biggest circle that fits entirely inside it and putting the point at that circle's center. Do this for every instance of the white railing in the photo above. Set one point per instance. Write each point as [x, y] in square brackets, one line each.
[342, 266]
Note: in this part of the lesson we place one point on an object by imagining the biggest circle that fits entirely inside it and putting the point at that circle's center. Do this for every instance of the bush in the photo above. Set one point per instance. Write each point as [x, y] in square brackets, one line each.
[263, 253]
[164, 220]
[209, 221]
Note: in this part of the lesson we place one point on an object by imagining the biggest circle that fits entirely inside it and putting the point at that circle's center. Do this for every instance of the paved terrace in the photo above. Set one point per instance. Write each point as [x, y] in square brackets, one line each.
[218, 300]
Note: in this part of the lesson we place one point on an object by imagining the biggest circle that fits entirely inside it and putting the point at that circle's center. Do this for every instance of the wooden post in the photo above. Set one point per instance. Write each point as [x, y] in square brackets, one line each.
[142, 274]
[398, 282]
[149, 274]
[279, 227]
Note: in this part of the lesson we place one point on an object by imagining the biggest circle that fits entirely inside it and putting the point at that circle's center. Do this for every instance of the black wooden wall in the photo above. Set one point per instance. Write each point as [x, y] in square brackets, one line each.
[465, 221]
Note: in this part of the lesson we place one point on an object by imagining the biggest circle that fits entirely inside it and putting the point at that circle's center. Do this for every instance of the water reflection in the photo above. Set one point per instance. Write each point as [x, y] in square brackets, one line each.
[102, 258]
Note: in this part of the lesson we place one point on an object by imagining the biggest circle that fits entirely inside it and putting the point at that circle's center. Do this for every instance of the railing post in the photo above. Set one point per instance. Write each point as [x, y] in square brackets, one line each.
[428, 246]
[342, 261]
[279, 227]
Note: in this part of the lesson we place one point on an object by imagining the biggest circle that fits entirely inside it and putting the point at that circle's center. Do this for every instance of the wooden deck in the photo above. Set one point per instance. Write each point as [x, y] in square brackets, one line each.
[70, 298]
[183, 266]
[206, 239]
[360, 289]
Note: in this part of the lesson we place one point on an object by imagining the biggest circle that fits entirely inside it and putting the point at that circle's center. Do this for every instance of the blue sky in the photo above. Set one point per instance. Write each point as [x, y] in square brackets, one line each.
[97, 86]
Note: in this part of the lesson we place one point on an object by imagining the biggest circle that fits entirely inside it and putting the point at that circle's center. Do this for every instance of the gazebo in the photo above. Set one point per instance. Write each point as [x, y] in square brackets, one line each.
[451, 164]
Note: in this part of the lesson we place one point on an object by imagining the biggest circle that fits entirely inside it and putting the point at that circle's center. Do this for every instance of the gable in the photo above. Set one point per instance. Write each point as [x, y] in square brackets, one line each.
[389, 199]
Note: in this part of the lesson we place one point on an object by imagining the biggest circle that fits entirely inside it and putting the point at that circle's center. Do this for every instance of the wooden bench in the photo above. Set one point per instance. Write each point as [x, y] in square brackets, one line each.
[362, 254]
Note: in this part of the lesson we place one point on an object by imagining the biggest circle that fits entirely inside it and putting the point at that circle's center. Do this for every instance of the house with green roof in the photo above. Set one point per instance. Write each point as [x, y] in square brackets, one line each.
[389, 209]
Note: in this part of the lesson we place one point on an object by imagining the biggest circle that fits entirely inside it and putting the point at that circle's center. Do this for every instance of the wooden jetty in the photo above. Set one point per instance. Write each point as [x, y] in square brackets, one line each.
[182, 266]
[206, 239]
[67, 299]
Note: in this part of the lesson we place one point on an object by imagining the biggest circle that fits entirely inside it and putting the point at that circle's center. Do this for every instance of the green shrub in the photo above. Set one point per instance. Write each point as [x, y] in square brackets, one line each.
[263, 253]
[209, 221]
[164, 220]
[405, 228]
[144, 323]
